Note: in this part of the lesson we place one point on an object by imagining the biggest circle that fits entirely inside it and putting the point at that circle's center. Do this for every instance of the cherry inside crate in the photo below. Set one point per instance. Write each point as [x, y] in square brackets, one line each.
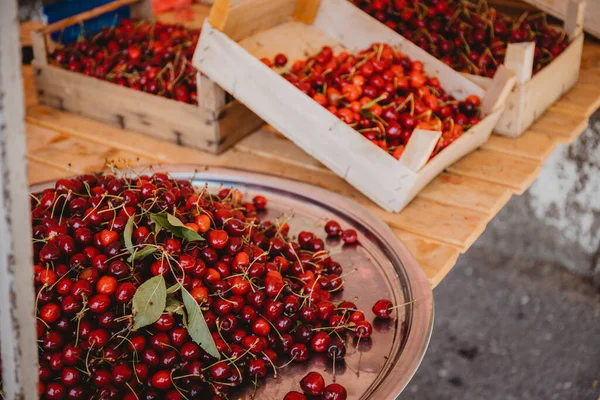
[214, 124]
[238, 34]
[534, 92]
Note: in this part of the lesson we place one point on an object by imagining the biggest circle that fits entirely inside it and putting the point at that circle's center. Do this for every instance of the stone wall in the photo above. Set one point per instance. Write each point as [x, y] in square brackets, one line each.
[558, 218]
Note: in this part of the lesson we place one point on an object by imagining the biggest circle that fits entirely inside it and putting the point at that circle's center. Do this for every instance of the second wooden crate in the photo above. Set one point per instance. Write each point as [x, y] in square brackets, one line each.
[239, 33]
[214, 125]
[533, 94]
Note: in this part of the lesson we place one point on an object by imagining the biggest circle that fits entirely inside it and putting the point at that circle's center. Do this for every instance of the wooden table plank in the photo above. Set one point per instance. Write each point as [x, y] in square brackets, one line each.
[467, 192]
[434, 258]
[456, 226]
[517, 173]
[532, 145]
[563, 126]
[583, 99]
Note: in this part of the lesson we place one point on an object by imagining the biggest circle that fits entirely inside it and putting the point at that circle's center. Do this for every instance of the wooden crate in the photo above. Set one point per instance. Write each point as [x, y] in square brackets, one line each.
[213, 125]
[533, 94]
[238, 33]
[556, 8]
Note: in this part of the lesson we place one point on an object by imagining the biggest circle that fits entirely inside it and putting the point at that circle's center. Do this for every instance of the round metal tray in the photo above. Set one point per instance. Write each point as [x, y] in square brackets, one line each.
[378, 368]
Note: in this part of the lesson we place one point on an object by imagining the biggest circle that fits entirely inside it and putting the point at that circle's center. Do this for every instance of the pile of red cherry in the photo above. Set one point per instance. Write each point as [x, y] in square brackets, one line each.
[149, 56]
[470, 36]
[149, 288]
[382, 94]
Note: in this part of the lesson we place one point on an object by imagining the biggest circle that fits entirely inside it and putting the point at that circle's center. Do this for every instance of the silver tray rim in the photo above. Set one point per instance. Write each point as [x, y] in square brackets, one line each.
[397, 372]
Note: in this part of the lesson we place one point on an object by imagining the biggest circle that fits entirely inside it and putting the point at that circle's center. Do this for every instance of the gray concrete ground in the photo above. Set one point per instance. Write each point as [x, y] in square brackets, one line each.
[508, 328]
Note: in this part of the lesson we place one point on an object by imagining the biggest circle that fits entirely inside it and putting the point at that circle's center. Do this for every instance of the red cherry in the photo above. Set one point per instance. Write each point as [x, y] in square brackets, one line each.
[161, 380]
[349, 236]
[335, 391]
[313, 384]
[382, 308]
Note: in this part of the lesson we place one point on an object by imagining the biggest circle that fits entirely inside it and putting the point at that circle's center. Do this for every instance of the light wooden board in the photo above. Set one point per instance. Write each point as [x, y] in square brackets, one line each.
[435, 259]
[514, 172]
[583, 99]
[563, 126]
[467, 192]
[40, 172]
[198, 12]
[533, 145]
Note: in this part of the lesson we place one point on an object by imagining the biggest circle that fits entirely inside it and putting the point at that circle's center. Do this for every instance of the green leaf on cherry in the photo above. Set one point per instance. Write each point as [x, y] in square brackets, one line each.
[174, 306]
[196, 325]
[173, 289]
[149, 302]
[141, 254]
[175, 226]
[127, 234]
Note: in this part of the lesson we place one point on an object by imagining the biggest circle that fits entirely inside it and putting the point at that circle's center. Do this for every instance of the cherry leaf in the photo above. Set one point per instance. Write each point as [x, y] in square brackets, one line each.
[141, 254]
[127, 233]
[149, 302]
[173, 305]
[173, 289]
[175, 226]
[196, 325]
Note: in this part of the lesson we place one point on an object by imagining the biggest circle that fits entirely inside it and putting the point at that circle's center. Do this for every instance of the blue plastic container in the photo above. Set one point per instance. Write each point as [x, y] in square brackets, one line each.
[67, 8]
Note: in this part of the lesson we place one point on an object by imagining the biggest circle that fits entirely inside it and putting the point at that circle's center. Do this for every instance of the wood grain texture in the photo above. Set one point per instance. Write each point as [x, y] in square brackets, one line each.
[306, 11]
[466, 192]
[435, 259]
[563, 126]
[17, 299]
[517, 173]
[239, 19]
[584, 99]
[533, 145]
[39, 172]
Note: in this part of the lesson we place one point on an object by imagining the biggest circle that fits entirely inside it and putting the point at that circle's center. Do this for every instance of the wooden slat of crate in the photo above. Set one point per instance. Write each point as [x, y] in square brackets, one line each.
[564, 126]
[448, 226]
[532, 145]
[39, 172]
[517, 173]
[29, 86]
[198, 11]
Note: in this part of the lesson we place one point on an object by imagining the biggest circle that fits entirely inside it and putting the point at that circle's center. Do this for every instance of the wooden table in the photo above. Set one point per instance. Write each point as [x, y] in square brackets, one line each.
[440, 224]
